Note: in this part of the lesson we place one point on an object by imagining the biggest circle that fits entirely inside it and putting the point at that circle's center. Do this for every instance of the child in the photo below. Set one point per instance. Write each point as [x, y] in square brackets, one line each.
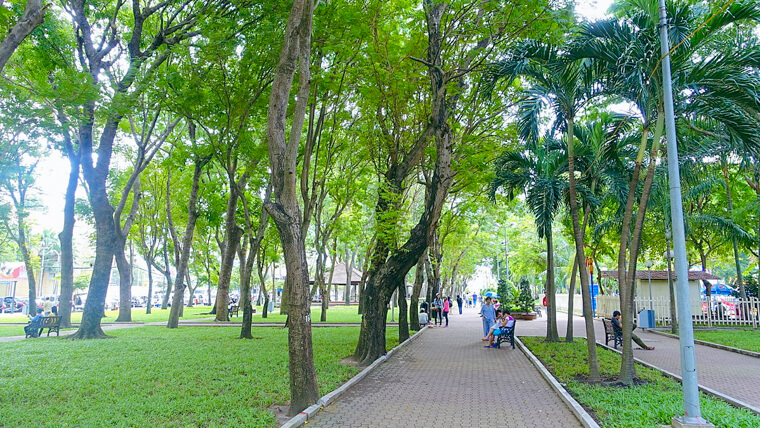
[503, 322]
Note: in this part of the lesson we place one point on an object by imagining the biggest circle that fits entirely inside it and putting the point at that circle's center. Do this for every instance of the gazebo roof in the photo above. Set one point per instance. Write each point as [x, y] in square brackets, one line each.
[339, 275]
[662, 275]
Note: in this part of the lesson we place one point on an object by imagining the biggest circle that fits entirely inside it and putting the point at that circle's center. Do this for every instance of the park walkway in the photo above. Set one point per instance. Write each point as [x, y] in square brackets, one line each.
[729, 373]
[445, 378]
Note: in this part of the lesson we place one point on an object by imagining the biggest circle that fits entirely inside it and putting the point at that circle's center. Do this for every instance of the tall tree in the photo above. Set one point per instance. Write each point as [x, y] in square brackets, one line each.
[538, 171]
[285, 209]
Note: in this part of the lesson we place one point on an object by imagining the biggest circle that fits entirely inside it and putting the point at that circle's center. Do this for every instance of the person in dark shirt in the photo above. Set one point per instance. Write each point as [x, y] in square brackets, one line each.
[618, 327]
[32, 329]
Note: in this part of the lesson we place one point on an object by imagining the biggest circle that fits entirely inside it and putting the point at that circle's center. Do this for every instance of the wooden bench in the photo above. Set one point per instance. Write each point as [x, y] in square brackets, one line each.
[234, 309]
[50, 323]
[507, 335]
[610, 333]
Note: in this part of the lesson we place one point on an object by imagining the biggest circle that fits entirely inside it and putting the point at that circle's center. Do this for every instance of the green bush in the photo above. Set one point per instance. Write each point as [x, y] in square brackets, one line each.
[524, 302]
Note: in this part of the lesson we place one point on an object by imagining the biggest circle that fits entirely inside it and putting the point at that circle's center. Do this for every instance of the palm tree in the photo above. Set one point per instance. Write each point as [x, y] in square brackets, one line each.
[562, 86]
[625, 51]
[537, 170]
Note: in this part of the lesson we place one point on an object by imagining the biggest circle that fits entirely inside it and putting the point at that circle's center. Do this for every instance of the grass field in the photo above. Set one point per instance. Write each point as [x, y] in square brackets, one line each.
[338, 313]
[138, 315]
[152, 376]
[747, 339]
[651, 404]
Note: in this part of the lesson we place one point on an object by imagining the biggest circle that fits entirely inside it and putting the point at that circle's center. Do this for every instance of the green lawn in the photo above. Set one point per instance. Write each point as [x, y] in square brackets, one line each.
[335, 314]
[747, 339]
[649, 405]
[138, 315]
[152, 376]
[19, 331]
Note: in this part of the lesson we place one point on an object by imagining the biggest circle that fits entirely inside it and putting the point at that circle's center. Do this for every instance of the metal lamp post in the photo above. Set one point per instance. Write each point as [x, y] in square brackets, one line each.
[671, 290]
[506, 250]
[649, 264]
[692, 415]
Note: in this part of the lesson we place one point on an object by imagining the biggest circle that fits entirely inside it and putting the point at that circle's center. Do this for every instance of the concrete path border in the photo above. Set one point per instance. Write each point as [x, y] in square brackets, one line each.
[583, 416]
[709, 391]
[311, 411]
[712, 345]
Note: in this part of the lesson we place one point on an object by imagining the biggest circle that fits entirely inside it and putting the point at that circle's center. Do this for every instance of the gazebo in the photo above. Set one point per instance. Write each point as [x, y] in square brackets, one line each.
[339, 280]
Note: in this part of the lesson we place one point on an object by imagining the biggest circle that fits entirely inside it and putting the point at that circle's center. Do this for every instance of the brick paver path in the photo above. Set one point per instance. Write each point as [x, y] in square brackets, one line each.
[729, 373]
[445, 378]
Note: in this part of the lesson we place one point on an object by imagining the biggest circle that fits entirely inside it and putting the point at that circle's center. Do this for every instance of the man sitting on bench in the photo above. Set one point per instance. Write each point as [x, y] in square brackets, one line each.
[618, 327]
[33, 328]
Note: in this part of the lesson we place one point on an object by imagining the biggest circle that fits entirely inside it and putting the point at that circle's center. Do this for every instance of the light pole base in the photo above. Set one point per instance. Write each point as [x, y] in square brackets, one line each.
[678, 422]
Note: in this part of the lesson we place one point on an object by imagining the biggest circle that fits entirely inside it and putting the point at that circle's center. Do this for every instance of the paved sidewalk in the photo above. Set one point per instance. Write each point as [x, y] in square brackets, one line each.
[729, 373]
[445, 378]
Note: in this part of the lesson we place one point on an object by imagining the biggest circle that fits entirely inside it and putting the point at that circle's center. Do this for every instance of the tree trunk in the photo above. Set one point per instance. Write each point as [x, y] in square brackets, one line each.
[286, 212]
[245, 290]
[350, 256]
[551, 296]
[167, 274]
[571, 302]
[149, 304]
[628, 289]
[125, 284]
[231, 239]
[414, 307]
[66, 238]
[730, 206]
[187, 242]
[593, 362]
[403, 324]
[34, 13]
[105, 242]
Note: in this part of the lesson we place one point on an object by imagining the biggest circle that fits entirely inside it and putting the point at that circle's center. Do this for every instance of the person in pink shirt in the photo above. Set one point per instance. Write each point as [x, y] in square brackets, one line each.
[446, 308]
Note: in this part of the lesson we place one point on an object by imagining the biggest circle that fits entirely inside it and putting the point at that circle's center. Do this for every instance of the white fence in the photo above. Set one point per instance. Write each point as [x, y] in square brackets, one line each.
[724, 311]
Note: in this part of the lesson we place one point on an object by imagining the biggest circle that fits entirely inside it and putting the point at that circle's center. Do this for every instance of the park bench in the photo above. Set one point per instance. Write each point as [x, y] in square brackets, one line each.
[610, 333]
[507, 335]
[51, 323]
[234, 309]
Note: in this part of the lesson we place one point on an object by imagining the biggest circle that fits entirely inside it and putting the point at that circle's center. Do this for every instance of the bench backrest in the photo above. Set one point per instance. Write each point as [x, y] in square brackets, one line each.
[50, 322]
[608, 326]
[233, 308]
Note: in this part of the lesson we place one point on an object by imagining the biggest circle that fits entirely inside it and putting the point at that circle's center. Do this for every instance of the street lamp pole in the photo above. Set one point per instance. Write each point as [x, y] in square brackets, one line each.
[692, 415]
[506, 249]
[648, 264]
[671, 289]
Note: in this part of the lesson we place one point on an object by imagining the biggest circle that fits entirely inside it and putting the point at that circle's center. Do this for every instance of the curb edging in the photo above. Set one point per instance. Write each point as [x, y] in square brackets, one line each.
[712, 345]
[583, 416]
[719, 395]
[327, 399]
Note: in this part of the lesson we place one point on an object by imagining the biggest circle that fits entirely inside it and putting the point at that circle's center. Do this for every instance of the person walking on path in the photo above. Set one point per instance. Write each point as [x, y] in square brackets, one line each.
[438, 305]
[618, 327]
[446, 309]
[474, 300]
[459, 303]
[488, 314]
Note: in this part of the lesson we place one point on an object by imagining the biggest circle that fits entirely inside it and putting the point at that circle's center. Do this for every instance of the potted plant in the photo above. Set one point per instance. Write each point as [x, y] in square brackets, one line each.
[523, 301]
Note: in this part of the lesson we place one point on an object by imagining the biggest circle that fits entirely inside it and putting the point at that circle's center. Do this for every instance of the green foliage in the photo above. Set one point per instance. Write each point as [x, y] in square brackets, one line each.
[651, 404]
[117, 383]
[524, 301]
[748, 339]
[504, 289]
